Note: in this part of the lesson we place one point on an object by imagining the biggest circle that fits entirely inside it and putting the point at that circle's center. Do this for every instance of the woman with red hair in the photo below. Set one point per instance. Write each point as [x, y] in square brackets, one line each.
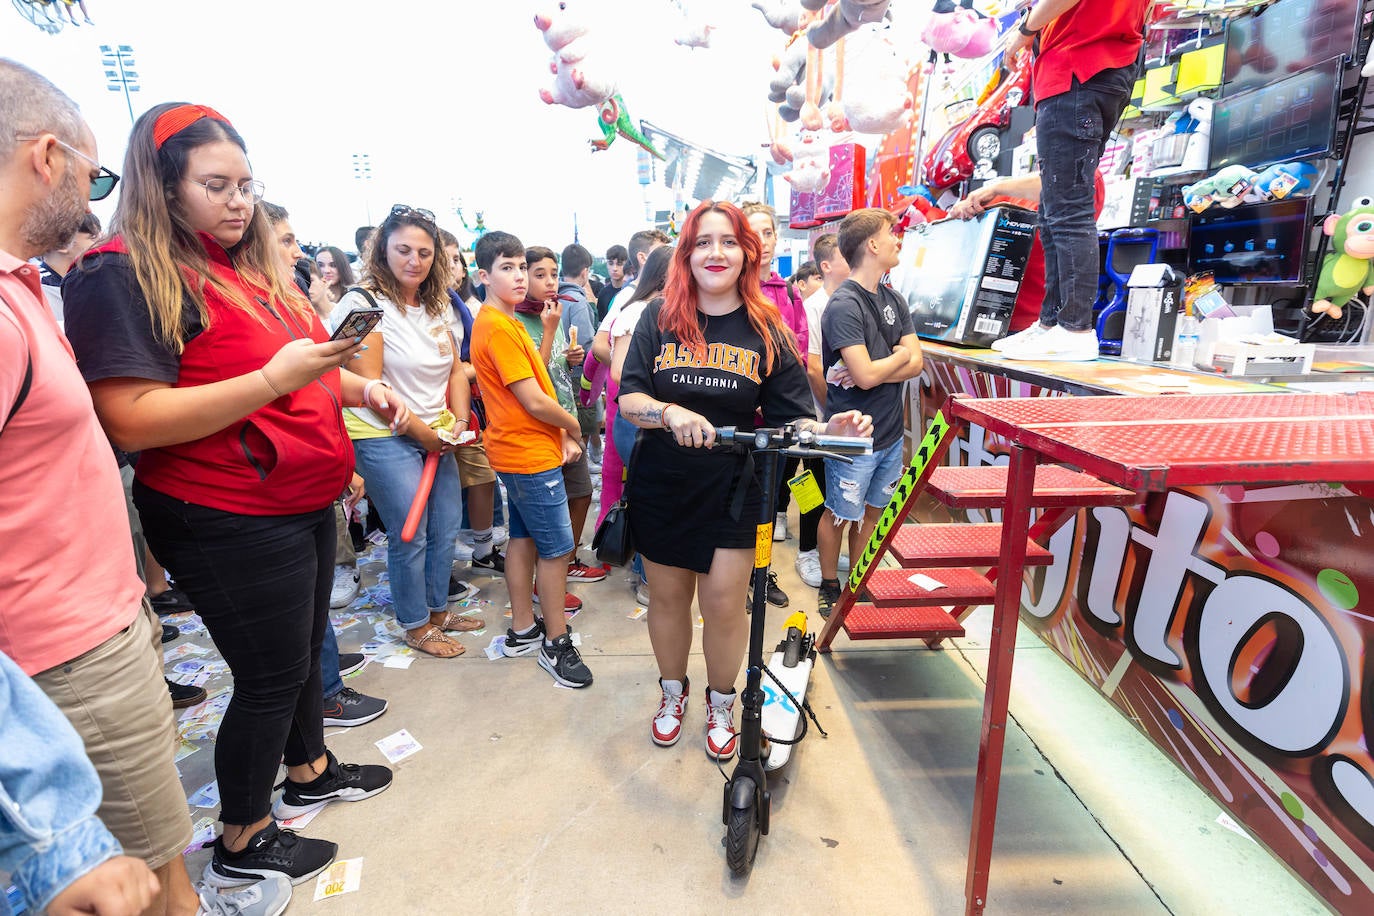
[712, 352]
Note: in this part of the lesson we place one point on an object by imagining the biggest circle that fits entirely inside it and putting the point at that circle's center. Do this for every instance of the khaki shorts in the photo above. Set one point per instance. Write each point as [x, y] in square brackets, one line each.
[473, 467]
[577, 478]
[117, 700]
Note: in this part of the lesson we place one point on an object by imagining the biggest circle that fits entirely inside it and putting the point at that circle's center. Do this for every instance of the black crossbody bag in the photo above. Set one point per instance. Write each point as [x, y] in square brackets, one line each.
[612, 541]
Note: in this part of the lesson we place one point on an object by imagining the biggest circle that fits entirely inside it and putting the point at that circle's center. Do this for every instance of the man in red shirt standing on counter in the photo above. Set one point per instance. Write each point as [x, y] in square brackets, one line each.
[1085, 65]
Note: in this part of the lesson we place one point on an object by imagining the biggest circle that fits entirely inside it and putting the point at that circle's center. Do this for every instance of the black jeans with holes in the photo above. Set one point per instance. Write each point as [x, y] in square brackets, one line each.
[1071, 131]
[261, 584]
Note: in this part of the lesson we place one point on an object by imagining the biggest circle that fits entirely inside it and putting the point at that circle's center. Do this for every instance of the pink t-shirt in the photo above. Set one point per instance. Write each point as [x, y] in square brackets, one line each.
[67, 575]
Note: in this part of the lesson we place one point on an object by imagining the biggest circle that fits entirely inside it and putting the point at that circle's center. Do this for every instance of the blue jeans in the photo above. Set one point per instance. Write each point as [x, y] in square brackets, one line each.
[419, 570]
[869, 481]
[1071, 131]
[539, 510]
[329, 663]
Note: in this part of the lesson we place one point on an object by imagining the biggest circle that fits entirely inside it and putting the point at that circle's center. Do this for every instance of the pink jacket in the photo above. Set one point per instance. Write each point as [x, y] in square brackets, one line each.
[793, 312]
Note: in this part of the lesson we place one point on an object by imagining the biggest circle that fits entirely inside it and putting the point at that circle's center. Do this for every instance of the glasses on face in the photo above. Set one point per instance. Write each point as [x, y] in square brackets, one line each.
[405, 210]
[222, 190]
[102, 182]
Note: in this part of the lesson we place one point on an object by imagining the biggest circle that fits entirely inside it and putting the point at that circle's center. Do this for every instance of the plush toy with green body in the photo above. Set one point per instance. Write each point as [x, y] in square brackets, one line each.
[1349, 268]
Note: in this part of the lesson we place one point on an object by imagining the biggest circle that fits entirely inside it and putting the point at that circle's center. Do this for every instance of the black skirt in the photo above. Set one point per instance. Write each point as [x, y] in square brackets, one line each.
[681, 500]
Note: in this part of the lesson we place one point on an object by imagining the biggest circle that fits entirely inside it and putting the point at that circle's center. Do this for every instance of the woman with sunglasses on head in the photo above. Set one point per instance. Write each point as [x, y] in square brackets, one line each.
[204, 357]
[713, 352]
[413, 349]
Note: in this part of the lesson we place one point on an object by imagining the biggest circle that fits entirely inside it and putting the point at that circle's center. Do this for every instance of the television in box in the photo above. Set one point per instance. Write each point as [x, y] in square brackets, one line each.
[960, 277]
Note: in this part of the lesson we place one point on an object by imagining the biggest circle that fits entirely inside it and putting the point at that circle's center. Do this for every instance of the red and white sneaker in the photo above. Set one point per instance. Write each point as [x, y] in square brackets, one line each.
[721, 736]
[571, 603]
[581, 572]
[667, 724]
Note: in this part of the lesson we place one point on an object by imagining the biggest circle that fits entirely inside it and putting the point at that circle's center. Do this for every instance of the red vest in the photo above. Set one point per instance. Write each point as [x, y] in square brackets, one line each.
[289, 457]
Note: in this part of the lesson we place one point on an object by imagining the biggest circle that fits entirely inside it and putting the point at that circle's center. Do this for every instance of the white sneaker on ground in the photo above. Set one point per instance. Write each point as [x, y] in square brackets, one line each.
[809, 567]
[780, 527]
[268, 897]
[1020, 337]
[1057, 345]
[346, 585]
[667, 725]
[721, 736]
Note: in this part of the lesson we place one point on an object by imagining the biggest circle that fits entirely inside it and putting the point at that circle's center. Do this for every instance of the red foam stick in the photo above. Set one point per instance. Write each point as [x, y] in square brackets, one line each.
[417, 505]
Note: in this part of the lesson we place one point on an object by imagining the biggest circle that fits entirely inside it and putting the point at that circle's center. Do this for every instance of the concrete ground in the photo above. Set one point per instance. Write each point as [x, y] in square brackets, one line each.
[529, 798]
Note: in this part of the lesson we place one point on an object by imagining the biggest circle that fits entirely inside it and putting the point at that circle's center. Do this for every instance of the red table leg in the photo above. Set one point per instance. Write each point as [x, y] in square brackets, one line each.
[1006, 610]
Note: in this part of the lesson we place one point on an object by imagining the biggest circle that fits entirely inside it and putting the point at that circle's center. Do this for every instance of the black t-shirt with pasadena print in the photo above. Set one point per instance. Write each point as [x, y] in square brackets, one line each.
[728, 384]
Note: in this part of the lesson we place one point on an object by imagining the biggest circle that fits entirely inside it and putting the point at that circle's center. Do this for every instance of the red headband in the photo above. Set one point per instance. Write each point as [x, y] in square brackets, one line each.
[175, 120]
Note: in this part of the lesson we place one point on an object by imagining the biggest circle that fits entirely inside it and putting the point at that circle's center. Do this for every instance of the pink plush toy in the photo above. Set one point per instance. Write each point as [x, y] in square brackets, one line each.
[959, 30]
[573, 85]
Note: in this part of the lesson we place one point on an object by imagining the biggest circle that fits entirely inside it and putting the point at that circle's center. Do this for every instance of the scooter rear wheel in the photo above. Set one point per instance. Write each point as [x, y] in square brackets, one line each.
[742, 830]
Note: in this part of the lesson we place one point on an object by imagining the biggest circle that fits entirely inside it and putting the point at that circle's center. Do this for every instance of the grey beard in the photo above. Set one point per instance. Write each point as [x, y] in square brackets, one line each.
[51, 223]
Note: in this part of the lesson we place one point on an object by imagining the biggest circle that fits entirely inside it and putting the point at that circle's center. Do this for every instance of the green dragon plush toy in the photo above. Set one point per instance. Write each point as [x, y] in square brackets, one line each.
[614, 118]
[1349, 268]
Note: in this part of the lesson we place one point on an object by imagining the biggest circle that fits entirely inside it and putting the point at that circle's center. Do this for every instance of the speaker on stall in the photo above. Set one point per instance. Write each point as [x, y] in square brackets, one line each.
[1022, 119]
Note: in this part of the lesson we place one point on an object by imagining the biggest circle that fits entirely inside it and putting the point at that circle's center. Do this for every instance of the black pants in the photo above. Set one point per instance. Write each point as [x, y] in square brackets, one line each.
[261, 584]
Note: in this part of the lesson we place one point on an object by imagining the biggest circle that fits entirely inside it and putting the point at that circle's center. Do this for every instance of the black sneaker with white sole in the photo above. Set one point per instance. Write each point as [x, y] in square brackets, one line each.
[493, 561]
[350, 662]
[519, 644]
[339, 782]
[349, 707]
[271, 851]
[561, 659]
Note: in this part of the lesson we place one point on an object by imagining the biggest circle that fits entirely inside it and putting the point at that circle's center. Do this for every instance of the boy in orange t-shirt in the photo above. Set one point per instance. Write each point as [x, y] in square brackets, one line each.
[529, 438]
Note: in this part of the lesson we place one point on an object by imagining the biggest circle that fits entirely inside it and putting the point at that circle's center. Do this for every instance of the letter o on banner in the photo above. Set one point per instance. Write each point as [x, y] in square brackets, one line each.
[1306, 710]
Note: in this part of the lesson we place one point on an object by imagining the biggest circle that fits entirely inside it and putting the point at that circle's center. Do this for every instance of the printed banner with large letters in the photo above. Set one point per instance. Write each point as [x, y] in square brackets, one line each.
[1228, 624]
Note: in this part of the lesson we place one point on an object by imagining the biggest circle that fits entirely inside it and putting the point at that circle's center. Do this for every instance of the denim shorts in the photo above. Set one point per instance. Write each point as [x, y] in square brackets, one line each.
[869, 481]
[539, 510]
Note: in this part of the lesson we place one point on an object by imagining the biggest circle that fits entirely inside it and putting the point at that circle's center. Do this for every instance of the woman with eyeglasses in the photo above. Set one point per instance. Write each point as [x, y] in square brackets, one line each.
[335, 270]
[203, 356]
[414, 351]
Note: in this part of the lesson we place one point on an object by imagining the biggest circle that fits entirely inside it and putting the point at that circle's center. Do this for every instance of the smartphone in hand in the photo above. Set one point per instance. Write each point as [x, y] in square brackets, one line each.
[357, 323]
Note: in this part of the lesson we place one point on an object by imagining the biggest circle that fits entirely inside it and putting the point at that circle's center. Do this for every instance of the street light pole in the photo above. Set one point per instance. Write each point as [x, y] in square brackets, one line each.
[120, 74]
[362, 171]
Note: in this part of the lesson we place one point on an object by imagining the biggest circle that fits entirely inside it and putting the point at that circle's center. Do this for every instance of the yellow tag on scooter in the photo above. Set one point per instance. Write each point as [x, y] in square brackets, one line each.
[806, 490]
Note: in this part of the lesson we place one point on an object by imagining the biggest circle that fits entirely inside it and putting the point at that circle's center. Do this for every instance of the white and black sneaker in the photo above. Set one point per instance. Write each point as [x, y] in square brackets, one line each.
[348, 707]
[350, 662]
[527, 643]
[339, 782]
[271, 852]
[561, 659]
[269, 897]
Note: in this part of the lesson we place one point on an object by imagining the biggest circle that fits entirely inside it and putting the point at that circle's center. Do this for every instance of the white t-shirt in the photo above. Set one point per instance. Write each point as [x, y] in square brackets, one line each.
[417, 355]
[815, 306]
[627, 320]
[617, 304]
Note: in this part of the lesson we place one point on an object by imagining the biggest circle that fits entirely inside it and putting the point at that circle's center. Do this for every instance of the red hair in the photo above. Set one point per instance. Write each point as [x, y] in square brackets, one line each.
[678, 315]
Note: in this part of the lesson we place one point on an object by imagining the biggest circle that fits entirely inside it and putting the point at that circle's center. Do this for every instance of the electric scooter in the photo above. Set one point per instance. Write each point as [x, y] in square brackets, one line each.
[745, 811]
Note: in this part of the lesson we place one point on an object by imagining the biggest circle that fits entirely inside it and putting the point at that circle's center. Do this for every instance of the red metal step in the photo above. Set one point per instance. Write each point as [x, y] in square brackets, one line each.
[986, 488]
[865, 621]
[933, 546]
[894, 588]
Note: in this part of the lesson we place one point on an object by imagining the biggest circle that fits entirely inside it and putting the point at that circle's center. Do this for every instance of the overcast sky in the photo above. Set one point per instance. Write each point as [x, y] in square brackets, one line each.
[443, 95]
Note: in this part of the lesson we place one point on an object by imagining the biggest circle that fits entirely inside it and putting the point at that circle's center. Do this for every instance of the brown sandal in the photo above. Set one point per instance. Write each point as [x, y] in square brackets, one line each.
[460, 623]
[436, 637]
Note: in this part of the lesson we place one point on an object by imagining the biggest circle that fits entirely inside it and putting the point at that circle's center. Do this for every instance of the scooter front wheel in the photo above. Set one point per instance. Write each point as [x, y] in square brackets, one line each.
[742, 827]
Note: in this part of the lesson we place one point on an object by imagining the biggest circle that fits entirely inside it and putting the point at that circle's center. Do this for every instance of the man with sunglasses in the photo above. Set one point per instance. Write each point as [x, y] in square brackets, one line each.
[72, 608]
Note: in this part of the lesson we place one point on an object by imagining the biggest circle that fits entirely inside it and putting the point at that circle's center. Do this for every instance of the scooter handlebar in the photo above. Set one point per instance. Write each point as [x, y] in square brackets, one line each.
[795, 443]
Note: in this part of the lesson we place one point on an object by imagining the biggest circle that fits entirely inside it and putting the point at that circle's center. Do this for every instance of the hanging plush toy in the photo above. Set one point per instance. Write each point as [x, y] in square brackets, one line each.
[810, 165]
[786, 15]
[959, 30]
[693, 31]
[844, 17]
[877, 97]
[573, 84]
[1349, 268]
[614, 118]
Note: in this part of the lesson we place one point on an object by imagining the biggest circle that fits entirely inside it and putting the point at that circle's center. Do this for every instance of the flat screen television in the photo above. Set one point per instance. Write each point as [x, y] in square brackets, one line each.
[1294, 118]
[1253, 243]
[1287, 38]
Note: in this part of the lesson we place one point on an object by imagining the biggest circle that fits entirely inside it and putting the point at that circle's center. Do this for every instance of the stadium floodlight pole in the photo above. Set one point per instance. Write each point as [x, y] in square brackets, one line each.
[120, 75]
[362, 171]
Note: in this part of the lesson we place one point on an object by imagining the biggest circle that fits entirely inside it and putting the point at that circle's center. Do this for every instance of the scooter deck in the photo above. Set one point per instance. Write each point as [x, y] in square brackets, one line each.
[780, 716]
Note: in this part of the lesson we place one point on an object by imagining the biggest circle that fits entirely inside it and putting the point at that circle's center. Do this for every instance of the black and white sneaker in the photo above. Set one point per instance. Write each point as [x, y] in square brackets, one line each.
[561, 659]
[350, 662]
[518, 644]
[349, 707]
[272, 851]
[339, 782]
[492, 561]
[458, 589]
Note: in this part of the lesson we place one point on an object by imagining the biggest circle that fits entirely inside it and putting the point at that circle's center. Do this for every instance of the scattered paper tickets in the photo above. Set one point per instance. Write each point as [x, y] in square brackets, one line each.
[298, 823]
[207, 796]
[185, 749]
[398, 747]
[343, 877]
[202, 835]
[925, 582]
[185, 650]
[495, 649]
[398, 661]
[637, 613]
